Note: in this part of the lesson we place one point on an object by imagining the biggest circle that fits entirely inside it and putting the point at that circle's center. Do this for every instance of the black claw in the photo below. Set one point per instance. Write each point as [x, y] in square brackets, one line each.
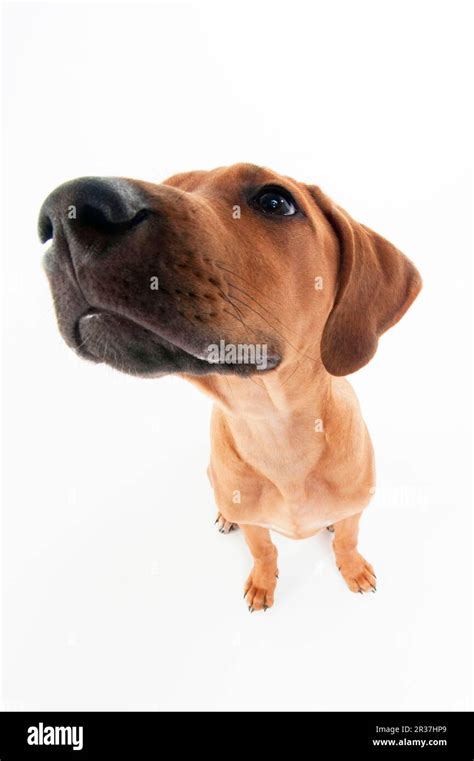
[374, 589]
[265, 608]
[361, 592]
[250, 609]
[216, 521]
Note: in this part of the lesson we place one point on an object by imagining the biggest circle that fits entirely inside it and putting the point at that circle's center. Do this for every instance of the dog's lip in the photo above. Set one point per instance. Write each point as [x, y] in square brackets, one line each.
[94, 313]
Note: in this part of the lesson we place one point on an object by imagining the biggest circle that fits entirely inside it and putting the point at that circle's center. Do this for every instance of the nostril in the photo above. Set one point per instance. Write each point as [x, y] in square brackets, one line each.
[102, 220]
[45, 228]
[101, 205]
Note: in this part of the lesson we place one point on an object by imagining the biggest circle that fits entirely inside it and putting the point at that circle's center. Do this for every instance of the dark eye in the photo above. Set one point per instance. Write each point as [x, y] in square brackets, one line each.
[275, 201]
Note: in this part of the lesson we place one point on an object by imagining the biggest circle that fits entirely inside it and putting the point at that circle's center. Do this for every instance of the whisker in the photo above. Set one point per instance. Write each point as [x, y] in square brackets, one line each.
[232, 285]
[219, 264]
[248, 282]
[298, 364]
[273, 328]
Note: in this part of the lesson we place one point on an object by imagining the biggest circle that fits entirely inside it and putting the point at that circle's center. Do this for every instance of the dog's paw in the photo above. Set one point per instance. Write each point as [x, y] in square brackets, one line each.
[260, 586]
[225, 527]
[357, 572]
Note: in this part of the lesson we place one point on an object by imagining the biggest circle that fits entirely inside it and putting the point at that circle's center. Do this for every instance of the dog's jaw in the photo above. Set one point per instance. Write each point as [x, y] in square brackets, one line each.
[131, 348]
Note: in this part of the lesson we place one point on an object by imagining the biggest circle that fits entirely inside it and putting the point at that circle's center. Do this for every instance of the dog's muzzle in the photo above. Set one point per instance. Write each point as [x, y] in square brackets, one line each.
[111, 240]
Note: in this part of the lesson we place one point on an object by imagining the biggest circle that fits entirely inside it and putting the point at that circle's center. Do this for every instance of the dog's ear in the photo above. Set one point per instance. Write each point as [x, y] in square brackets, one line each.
[376, 285]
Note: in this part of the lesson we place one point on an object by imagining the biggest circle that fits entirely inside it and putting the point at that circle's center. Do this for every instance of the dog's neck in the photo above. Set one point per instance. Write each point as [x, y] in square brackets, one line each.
[283, 411]
[298, 391]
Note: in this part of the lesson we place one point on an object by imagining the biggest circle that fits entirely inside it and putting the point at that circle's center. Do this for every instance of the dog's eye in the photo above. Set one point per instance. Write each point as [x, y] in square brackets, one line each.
[275, 201]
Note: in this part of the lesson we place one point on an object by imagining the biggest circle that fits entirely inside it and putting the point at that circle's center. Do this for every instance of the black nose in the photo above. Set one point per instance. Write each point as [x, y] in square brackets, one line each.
[105, 206]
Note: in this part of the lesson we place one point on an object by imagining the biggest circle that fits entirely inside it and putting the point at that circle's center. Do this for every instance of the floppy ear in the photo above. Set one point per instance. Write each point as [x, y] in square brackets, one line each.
[376, 285]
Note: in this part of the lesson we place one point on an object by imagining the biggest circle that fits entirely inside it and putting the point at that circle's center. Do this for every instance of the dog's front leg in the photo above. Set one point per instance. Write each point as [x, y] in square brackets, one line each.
[260, 585]
[357, 572]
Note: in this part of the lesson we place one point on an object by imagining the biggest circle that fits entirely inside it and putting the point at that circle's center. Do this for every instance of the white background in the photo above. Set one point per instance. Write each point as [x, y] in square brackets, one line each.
[119, 593]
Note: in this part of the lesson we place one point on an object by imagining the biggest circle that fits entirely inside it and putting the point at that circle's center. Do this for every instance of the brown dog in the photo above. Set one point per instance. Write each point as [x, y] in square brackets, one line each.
[262, 292]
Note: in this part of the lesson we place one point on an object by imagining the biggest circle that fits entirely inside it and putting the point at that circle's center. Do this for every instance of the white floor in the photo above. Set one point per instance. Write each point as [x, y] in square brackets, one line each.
[120, 594]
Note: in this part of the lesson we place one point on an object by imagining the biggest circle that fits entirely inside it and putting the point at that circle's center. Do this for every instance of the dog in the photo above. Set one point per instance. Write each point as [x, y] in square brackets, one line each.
[264, 294]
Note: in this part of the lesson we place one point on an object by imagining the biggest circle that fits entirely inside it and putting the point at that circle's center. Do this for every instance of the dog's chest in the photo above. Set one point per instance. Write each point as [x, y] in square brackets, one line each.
[301, 511]
[288, 478]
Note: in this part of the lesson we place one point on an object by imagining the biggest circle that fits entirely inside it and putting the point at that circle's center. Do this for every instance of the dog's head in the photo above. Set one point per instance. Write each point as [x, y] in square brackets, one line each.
[233, 270]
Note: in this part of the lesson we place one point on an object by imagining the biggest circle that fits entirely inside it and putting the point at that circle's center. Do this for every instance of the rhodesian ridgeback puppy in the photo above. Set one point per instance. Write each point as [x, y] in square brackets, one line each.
[263, 293]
